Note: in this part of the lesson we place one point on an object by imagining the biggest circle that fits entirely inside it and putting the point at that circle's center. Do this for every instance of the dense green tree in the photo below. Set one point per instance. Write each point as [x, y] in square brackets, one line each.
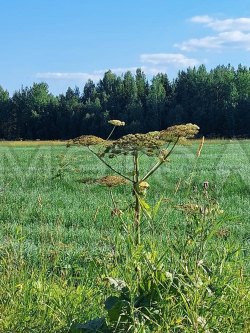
[89, 91]
[142, 87]
[39, 102]
[242, 112]
[217, 100]
[156, 102]
[131, 104]
[5, 120]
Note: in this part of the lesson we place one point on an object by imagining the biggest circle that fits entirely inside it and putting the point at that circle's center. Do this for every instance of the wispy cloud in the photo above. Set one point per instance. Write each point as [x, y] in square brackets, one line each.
[241, 23]
[148, 69]
[177, 59]
[82, 76]
[118, 70]
[236, 39]
[151, 64]
[69, 76]
[229, 33]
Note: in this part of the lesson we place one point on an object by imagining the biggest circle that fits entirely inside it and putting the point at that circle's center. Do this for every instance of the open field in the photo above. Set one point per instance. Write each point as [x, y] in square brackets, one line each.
[57, 235]
[27, 143]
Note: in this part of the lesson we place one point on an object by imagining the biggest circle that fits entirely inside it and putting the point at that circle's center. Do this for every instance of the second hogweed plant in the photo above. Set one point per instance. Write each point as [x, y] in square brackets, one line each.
[158, 144]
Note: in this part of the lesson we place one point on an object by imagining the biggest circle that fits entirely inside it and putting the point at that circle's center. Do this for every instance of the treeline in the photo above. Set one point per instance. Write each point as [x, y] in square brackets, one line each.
[217, 100]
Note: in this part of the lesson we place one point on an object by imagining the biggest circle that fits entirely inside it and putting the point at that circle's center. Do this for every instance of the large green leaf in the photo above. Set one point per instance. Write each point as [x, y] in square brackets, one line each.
[97, 325]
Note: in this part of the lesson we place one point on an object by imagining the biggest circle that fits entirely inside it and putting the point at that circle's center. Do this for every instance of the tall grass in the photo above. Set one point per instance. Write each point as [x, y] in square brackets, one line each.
[58, 239]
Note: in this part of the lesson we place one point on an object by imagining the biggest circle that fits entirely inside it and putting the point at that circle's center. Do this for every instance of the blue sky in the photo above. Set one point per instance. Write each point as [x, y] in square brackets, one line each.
[65, 42]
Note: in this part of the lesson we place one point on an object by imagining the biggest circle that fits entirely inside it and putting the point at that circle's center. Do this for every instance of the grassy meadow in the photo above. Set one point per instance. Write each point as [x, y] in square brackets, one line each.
[59, 234]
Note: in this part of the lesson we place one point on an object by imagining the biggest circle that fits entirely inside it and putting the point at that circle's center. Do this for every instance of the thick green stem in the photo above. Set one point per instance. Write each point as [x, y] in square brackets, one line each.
[137, 212]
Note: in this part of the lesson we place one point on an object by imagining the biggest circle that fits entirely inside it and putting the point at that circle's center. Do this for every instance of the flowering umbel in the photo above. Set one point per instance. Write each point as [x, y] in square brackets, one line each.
[172, 133]
[131, 143]
[150, 142]
[142, 188]
[116, 122]
[87, 140]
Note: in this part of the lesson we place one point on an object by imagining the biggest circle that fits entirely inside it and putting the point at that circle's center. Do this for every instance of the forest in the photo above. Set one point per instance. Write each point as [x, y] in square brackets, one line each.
[218, 101]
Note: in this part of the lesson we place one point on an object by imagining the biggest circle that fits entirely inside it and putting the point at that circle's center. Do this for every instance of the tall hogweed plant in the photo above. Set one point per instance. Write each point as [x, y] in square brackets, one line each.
[158, 144]
[190, 284]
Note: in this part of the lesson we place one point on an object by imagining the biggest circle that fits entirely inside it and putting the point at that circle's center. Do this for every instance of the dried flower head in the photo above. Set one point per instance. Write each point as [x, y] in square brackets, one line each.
[154, 134]
[135, 142]
[179, 131]
[142, 188]
[143, 185]
[116, 122]
[111, 181]
[87, 140]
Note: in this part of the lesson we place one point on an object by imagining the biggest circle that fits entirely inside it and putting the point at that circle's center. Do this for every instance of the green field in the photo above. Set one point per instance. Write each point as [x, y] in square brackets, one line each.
[58, 236]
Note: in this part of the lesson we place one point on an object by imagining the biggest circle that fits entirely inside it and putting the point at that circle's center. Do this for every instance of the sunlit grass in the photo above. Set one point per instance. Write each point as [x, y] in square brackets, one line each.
[27, 143]
[57, 233]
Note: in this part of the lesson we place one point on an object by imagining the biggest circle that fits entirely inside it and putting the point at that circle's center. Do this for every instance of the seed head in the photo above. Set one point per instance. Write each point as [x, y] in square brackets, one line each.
[111, 181]
[116, 122]
[143, 185]
[132, 143]
[179, 131]
[87, 140]
[142, 188]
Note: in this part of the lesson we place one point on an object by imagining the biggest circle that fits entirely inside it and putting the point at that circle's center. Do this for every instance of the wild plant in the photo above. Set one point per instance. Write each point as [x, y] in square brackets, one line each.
[191, 285]
[158, 144]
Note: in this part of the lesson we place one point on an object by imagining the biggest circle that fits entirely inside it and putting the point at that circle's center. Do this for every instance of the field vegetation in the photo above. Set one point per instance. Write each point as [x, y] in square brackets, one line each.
[67, 246]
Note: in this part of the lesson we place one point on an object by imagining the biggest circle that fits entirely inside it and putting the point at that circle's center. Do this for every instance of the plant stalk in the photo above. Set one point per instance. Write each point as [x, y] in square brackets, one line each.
[157, 165]
[137, 211]
[108, 165]
[111, 133]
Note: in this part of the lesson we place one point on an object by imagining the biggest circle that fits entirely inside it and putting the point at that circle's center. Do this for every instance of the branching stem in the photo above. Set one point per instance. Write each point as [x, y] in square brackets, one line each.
[157, 165]
[111, 133]
[109, 166]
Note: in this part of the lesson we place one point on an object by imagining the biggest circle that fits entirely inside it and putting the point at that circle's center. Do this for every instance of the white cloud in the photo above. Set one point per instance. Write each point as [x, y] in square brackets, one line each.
[241, 23]
[69, 76]
[177, 59]
[201, 19]
[118, 71]
[236, 39]
[82, 76]
[209, 42]
[229, 33]
[154, 63]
